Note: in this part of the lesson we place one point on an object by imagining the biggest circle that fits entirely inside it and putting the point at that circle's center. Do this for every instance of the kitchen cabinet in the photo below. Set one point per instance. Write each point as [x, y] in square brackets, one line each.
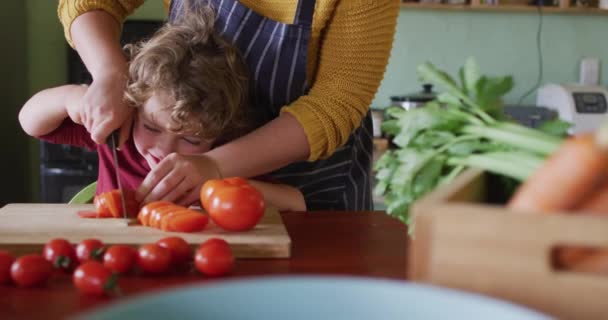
[564, 6]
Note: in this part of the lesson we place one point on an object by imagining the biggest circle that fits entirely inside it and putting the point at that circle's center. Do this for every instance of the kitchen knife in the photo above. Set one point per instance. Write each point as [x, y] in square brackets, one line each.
[113, 142]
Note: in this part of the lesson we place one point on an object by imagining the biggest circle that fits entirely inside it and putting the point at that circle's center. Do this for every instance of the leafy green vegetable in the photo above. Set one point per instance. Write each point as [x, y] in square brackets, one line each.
[464, 127]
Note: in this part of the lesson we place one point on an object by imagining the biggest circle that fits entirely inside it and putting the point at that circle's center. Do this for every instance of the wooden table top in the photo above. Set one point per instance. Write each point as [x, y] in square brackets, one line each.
[367, 244]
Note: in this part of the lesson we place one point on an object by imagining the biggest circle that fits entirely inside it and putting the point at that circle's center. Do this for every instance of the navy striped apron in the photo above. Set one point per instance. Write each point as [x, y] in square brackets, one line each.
[276, 55]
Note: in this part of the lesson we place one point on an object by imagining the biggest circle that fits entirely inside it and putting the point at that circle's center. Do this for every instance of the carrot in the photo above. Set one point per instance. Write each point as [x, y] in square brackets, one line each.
[596, 262]
[565, 178]
[596, 203]
[587, 259]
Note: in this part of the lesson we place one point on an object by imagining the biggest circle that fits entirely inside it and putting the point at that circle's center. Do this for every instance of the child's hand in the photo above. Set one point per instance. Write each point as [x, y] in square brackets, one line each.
[177, 178]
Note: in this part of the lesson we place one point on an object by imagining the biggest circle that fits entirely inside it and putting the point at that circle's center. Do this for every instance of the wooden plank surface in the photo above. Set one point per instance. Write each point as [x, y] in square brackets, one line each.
[25, 228]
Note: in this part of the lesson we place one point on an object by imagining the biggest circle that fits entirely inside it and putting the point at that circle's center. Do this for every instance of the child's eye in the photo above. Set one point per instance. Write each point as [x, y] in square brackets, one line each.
[192, 141]
[151, 129]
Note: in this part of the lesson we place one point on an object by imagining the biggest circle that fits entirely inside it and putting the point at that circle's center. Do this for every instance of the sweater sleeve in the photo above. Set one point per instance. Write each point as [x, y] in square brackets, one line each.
[352, 59]
[69, 10]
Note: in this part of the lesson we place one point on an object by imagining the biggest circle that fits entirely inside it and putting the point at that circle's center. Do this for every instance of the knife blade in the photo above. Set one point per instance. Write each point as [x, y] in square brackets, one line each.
[113, 142]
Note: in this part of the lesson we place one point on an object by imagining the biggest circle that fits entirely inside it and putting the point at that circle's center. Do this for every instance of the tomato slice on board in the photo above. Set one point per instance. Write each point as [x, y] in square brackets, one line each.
[100, 206]
[190, 222]
[146, 211]
[159, 213]
[110, 201]
[94, 214]
[167, 217]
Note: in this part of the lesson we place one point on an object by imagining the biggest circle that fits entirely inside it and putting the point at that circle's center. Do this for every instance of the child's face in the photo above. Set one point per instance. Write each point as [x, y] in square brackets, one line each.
[152, 137]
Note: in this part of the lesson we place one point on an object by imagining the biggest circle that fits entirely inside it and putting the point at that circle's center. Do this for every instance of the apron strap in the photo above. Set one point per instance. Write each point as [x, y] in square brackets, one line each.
[305, 12]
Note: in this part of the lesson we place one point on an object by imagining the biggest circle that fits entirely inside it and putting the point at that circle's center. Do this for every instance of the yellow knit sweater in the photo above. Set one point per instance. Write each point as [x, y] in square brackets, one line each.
[348, 51]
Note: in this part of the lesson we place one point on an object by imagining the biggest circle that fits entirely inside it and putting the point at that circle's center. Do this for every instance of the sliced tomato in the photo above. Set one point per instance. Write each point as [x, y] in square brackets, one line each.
[190, 222]
[146, 211]
[101, 208]
[93, 214]
[111, 202]
[167, 217]
[159, 213]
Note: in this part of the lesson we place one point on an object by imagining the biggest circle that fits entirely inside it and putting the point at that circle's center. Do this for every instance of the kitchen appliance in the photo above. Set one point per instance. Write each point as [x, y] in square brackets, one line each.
[415, 100]
[584, 106]
[529, 115]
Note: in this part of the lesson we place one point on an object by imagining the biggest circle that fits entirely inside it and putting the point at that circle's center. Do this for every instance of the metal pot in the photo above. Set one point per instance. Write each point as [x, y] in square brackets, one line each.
[415, 100]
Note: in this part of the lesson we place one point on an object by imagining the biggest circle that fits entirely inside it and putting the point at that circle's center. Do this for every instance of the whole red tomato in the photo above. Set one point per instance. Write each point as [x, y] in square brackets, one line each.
[234, 207]
[120, 258]
[181, 252]
[61, 254]
[31, 270]
[211, 186]
[153, 259]
[214, 257]
[89, 250]
[94, 279]
[6, 260]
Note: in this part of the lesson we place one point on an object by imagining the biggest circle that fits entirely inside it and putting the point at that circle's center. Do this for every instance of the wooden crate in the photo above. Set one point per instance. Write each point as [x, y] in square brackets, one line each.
[462, 242]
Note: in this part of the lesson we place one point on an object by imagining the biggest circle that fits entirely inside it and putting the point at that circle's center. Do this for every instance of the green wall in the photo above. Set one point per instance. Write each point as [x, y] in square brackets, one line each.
[504, 43]
[13, 81]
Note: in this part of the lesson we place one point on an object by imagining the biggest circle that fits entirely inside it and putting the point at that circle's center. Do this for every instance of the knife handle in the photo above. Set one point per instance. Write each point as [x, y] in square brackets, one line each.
[114, 139]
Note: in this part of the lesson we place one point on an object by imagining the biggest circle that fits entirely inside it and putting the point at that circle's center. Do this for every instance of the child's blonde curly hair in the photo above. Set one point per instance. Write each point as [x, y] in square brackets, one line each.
[204, 74]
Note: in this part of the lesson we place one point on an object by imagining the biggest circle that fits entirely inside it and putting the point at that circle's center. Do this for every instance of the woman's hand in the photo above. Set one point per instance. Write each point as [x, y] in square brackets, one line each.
[178, 178]
[103, 109]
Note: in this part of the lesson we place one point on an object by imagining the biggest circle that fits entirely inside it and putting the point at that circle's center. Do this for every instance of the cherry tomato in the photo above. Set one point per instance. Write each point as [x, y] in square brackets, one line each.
[120, 258]
[31, 270]
[153, 259]
[89, 249]
[181, 252]
[214, 257]
[61, 254]
[6, 260]
[146, 211]
[94, 279]
[234, 207]
[211, 186]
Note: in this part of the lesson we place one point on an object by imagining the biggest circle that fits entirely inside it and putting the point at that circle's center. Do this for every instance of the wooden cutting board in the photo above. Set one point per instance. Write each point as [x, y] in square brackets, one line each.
[25, 228]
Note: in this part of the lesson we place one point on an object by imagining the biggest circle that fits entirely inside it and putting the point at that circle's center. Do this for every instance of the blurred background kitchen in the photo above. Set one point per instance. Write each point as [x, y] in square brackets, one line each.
[503, 37]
